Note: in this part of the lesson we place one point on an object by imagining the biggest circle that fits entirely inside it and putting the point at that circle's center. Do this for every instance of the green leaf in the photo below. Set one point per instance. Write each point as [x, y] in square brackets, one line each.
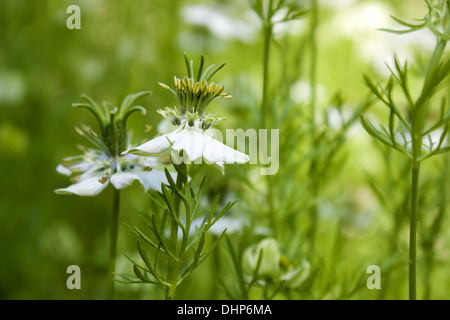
[171, 210]
[197, 252]
[374, 89]
[169, 178]
[212, 211]
[146, 260]
[258, 266]
[224, 210]
[160, 238]
[212, 247]
[375, 133]
[139, 274]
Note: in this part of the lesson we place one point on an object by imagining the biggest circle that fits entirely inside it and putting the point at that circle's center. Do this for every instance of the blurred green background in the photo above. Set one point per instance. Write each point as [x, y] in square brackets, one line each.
[128, 46]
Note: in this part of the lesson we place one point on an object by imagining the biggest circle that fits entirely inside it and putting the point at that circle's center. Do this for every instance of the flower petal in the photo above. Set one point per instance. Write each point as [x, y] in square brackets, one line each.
[87, 186]
[220, 167]
[217, 152]
[191, 142]
[148, 179]
[153, 179]
[63, 170]
[121, 180]
[154, 146]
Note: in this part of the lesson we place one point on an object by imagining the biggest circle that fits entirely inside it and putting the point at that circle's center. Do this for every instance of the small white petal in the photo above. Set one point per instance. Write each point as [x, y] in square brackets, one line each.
[87, 186]
[153, 179]
[148, 179]
[121, 180]
[63, 170]
[85, 166]
[154, 146]
[150, 161]
[220, 166]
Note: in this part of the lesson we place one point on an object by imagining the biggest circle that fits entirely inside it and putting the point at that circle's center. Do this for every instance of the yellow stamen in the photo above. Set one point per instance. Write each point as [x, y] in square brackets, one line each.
[103, 180]
[75, 179]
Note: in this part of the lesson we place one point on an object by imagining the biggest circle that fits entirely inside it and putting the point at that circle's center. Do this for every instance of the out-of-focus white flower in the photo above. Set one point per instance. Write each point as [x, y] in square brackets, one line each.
[219, 23]
[294, 277]
[337, 4]
[337, 118]
[429, 141]
[93, 170]
[96, 167]
[270, 259]
[361, 23]
[301, 91]
[273, 264]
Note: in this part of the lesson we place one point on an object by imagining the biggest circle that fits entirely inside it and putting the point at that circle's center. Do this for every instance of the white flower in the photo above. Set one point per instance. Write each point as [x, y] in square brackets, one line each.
[102, 164]
[270, 260]
[197, 145]
[219, 23]
[429, 142]
[95, 169]
[360, 22]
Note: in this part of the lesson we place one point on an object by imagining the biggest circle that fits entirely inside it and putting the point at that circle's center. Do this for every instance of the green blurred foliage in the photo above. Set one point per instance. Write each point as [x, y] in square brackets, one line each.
[128, 46]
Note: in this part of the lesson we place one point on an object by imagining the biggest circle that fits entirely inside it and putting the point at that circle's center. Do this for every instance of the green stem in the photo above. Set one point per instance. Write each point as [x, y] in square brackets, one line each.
[313, 172]
[265, 111]
[173, 268]
[436, 227]
[267, 29]
[313, 65]
[215, 271]
[172, 274]
[418, 122]
[415, 170]
[113, 244]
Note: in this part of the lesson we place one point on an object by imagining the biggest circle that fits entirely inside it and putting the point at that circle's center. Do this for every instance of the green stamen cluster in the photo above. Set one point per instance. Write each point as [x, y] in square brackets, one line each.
[112, 121]
[194, 94]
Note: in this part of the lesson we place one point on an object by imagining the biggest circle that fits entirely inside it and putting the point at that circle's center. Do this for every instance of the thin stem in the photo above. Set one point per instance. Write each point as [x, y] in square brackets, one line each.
[413, 229]
[216, 270]
[313, 65]
[418, 122]
[172, 274]
[313, 172]
[435, 229]
[113, 243]
[265, 110]
[267, 29]
[173, 268]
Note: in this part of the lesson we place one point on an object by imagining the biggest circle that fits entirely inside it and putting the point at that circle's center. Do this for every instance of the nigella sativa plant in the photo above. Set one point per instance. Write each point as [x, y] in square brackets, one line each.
[103, 162]
[174, 249]
[192, 141]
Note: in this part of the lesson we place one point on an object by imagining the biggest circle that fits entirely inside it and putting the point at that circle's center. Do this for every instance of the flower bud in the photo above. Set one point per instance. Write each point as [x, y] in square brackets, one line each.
[294, 277]
[270, 259]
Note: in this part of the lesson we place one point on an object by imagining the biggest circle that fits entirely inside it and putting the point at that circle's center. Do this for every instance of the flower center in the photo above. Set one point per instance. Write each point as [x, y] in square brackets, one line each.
[193, 95]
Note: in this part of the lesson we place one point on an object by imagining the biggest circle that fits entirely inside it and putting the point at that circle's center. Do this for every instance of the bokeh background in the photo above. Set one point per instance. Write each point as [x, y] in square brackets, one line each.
[128, 46]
